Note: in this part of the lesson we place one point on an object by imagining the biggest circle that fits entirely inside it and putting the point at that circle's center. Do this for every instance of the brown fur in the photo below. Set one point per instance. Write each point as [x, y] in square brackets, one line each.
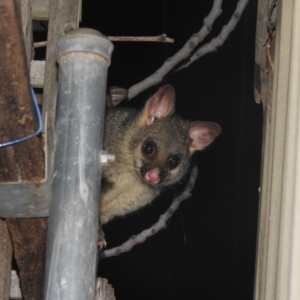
[127, 130]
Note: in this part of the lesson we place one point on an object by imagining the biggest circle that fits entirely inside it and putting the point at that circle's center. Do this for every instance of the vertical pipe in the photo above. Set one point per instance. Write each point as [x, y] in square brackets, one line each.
[83, 57]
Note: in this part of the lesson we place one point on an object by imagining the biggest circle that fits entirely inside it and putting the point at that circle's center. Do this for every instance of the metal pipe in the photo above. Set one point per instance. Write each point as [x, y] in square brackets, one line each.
[83, 57]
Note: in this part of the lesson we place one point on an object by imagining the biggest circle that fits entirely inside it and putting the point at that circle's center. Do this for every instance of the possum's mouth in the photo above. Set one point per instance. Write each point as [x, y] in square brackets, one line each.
[152, 176]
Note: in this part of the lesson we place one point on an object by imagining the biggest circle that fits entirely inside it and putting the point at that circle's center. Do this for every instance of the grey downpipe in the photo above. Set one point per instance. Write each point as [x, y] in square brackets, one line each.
[83, 57]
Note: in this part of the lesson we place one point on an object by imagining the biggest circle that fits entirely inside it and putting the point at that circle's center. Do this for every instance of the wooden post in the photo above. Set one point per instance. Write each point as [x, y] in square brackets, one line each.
[27, 29]
[25, 162]
[63, 17]
[5, 259]
[22, 162]
[29, 243]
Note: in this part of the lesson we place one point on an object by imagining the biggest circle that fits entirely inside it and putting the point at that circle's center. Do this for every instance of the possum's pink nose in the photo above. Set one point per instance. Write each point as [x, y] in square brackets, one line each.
[152, 176]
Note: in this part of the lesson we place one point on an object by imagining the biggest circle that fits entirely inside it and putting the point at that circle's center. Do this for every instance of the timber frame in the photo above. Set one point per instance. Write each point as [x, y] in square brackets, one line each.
[277, 86]
[26, 168]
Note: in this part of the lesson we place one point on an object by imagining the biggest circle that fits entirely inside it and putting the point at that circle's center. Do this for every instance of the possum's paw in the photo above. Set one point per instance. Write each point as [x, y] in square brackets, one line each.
[101, 239]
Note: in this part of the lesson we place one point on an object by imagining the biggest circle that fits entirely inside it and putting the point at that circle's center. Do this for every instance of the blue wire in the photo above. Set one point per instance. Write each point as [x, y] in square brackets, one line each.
[39, 130]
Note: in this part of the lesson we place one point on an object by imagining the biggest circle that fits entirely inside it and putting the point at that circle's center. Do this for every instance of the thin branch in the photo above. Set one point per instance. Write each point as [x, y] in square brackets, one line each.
[158, 39]
[40, 44]
[161, 224]
[221, 38]
[271, 62]
[271, 27]
[182, 54]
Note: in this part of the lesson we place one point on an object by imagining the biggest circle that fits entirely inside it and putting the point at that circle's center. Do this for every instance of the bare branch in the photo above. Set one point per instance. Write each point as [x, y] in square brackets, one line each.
[185, 52]
[159, 38]
[40, 44]
[182, 54]
[221, 38]
[161, 224]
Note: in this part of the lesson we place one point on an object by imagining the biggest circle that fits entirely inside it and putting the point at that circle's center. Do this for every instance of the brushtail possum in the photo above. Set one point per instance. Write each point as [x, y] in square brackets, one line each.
[153, 148]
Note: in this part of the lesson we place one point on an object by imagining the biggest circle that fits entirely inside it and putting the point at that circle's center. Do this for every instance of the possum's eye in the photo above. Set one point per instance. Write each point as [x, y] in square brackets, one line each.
[174, 161]
[149, 148]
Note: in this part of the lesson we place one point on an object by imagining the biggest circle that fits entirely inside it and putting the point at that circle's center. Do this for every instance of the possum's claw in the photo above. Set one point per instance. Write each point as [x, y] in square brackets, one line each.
[101, 243]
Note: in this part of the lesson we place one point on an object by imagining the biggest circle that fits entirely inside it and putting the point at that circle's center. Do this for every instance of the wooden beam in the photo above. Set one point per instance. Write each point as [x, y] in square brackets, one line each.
[24, 161]
[37, 73]
[5, 259]
[63, 17]
[29, 243]
[27, 29]
[40, 9]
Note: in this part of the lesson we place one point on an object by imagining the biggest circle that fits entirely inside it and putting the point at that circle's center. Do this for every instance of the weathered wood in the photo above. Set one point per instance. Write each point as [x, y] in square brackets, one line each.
[37, 73]
[264, 53]
[15, 289]
[40, 9]
[29, 243]
[27, 29]
[59, 24]
[5, 261]
[25, 161]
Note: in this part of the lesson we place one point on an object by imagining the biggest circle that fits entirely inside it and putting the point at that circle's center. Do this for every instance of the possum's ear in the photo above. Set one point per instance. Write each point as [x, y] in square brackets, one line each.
[160, 105]
[202, 134]
[115, 95]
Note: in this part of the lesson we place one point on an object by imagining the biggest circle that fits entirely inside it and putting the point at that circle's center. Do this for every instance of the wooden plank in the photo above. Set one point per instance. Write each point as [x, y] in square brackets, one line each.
[23, 162]
[40, 9]
[37, 73]
[5, 259]
[27, 28]
[15, 289]
[29, 243]
[29, 235]
[264, 52]
[59, 24]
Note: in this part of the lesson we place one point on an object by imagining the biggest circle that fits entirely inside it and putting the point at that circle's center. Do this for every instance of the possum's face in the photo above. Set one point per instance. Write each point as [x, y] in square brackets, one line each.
[162, 154]
[160, 168]
[162, 143]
